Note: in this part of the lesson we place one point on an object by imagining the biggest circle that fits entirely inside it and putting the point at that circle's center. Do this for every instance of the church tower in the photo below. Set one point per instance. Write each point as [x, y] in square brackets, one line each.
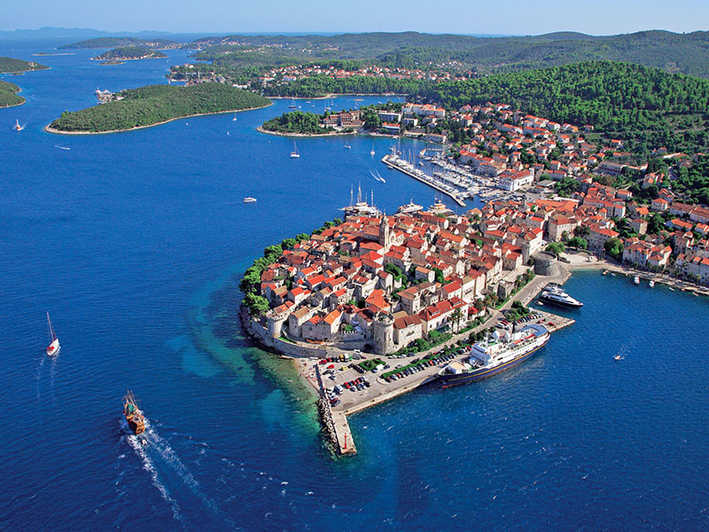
[384, 233]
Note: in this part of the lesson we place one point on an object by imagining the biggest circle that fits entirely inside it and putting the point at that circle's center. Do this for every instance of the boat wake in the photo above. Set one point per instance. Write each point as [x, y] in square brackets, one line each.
[142, 453]
[157, 455]
[169, 457]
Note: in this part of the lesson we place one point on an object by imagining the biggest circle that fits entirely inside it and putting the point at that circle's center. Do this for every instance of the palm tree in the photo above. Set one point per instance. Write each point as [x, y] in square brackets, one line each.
[457, 315]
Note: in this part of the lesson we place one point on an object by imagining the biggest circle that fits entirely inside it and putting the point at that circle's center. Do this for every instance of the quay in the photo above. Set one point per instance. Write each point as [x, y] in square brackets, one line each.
[334, 418]
[392, 161]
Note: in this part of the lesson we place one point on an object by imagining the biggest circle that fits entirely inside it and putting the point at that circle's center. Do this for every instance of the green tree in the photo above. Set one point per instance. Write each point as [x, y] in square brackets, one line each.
[556, 248]
[614, 247]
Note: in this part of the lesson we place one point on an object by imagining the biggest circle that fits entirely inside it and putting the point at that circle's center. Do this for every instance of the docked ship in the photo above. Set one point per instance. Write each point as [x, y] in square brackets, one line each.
[133, 414]
[361, 207]
[410, 208]
[497, 353]
[554, 294]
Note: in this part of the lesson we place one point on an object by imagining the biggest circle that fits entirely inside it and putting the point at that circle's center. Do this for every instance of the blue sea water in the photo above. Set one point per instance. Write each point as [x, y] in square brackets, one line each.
[134, 242]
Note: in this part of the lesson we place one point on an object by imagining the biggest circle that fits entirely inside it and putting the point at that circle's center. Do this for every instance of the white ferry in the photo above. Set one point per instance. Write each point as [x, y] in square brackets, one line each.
[502, 351]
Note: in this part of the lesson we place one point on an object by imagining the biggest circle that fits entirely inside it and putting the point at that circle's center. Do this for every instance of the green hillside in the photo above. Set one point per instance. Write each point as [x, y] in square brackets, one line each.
[8, 94]
[8, 64]
[157, 103]
[647, 106]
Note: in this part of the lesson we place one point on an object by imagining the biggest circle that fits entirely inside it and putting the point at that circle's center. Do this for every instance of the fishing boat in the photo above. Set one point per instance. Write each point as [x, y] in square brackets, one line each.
[294, 154]
[249, 199]
[133, 414]
[54, 347]
[17, 126]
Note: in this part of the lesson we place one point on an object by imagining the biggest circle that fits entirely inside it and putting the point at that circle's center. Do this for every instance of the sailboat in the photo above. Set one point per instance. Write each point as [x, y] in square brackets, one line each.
[17, 126]
[53, 348]
[294, 154]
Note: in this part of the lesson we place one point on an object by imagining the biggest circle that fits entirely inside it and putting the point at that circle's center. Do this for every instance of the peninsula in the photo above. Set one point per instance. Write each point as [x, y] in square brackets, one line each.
[9, 96]
[154, 105]
[9, 65]
[390, 299]
[129, 53]
[365, 119]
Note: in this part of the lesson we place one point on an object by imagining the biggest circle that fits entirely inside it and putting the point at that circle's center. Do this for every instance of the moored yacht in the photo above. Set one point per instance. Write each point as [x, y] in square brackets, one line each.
[553, 293]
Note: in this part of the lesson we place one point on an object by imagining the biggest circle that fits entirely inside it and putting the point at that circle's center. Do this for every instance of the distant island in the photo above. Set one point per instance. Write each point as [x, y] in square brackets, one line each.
[129, 53]
[117, 42]
[154, 105]
[8, 95]
[8, 65]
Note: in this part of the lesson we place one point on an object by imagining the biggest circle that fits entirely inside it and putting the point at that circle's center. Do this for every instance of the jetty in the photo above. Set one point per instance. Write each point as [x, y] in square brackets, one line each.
[395, 162]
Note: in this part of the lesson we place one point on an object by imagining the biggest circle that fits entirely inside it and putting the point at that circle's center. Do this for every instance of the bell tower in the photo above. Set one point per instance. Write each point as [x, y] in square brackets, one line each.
[384, 233]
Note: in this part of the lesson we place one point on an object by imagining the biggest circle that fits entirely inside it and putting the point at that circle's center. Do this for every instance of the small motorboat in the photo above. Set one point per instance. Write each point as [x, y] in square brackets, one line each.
[651, 284]
[636, 279]
[348, 147]
[54, 346]
[249, 199]
[17, 126]
[618, 357]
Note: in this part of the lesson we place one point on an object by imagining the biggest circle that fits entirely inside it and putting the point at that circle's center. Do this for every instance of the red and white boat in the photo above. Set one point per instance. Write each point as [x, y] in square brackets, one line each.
[54, 347]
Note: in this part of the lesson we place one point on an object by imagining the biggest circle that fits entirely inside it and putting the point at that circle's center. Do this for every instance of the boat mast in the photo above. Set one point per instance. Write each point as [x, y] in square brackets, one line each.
[51, 329]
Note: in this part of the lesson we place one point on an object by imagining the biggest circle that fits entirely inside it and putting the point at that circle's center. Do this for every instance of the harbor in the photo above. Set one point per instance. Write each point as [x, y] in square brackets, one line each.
[362, 383]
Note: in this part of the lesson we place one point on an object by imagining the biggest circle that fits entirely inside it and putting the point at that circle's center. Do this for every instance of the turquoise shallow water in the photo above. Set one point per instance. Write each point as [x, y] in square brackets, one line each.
[134, 242]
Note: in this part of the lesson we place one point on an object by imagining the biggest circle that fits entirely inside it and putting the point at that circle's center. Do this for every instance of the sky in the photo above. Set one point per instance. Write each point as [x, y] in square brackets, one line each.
[508, 17]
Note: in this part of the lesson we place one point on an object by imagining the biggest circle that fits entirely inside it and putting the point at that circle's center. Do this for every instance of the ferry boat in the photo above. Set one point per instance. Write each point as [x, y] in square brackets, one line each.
[133, 414]
[294, 154]
[410, 208]
[249, 199]
[553, 293]
[54, 346]
[500, 352]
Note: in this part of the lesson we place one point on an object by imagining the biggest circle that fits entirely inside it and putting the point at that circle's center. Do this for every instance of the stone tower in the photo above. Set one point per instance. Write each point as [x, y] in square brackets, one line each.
[384, 233]
[383, 334]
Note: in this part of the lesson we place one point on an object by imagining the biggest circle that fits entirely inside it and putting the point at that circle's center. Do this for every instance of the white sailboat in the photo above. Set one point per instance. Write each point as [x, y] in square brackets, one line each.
[294, 154]
[54, 347]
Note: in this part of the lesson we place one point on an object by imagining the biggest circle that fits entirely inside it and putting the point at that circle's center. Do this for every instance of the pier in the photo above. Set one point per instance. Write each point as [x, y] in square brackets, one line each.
[393, 161]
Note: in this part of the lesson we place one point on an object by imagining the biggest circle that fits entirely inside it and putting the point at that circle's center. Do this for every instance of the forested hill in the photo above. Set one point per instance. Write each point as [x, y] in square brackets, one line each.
[8, 64]
[154, 104]
[647, 105]
[8, 94]
[674, 52]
